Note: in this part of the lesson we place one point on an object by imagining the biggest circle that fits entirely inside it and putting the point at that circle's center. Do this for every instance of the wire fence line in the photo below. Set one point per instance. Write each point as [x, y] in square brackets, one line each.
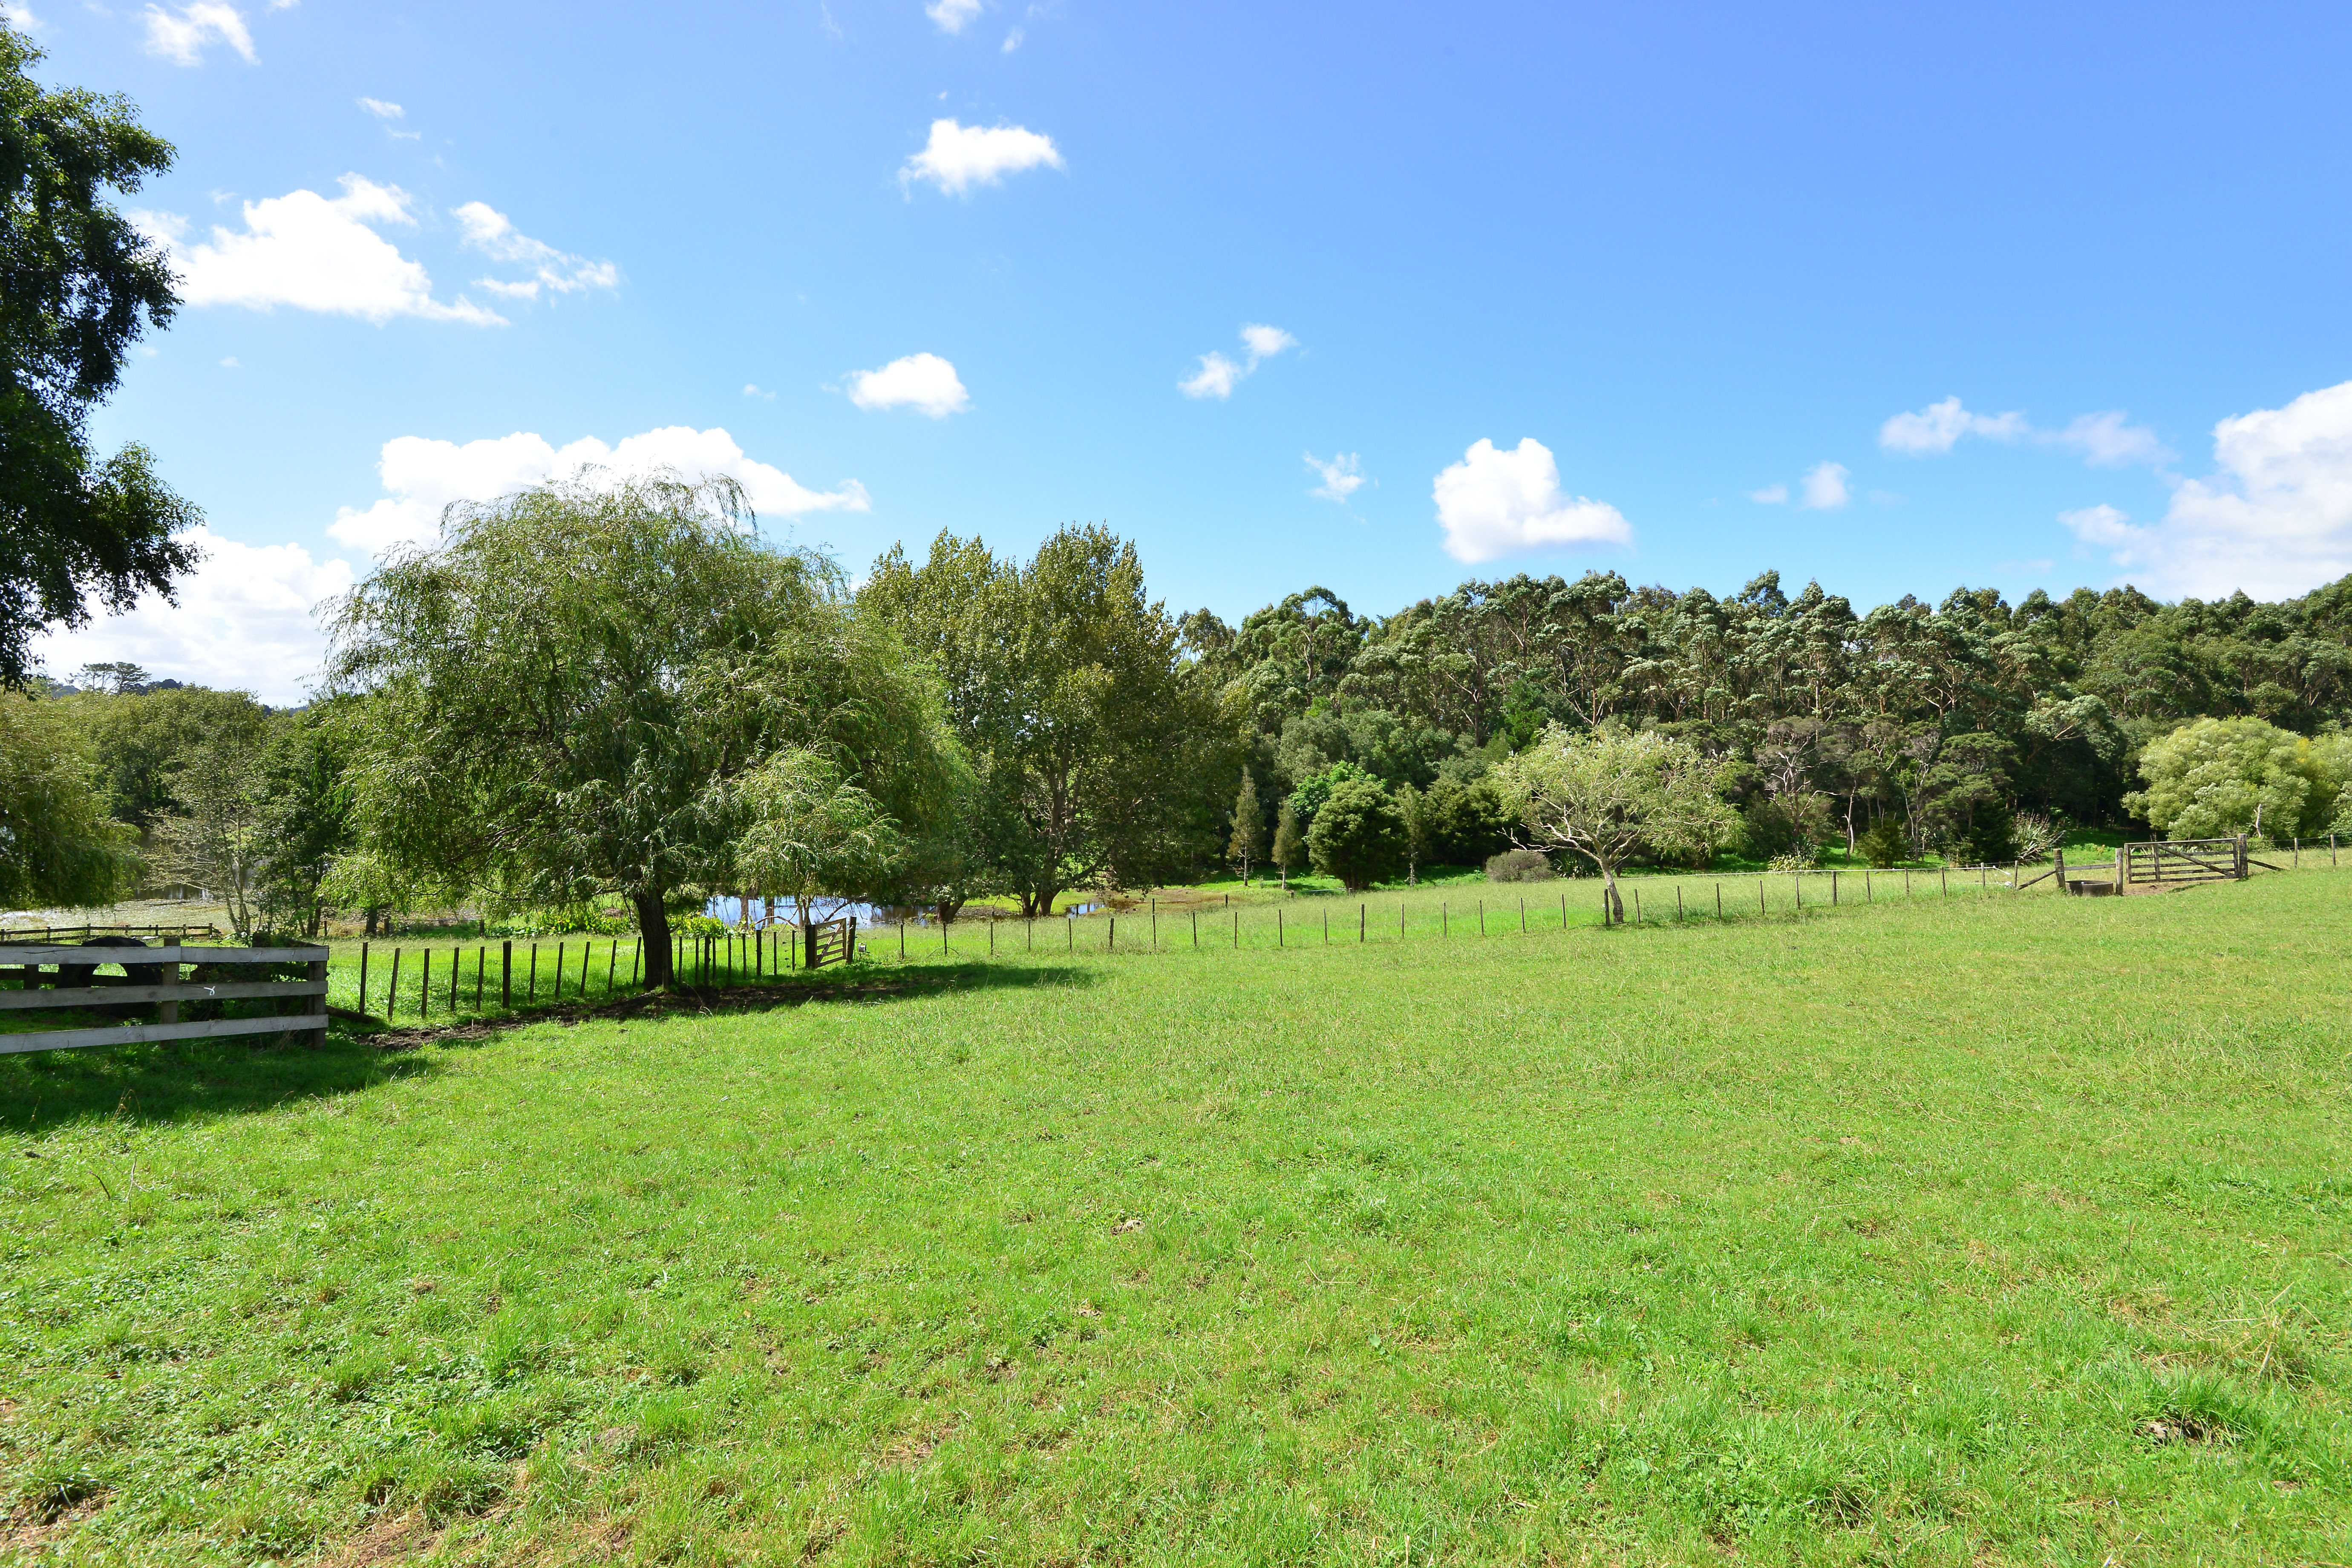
[457, 981]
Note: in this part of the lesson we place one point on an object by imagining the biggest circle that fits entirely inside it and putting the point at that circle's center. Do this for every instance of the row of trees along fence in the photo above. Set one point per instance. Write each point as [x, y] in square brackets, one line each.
[150, 979]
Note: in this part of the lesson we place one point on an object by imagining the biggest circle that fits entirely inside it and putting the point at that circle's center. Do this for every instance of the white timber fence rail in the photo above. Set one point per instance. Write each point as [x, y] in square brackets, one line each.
[151, 977]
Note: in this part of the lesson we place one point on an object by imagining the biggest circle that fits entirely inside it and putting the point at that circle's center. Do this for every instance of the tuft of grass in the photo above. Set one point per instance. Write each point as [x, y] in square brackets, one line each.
[1971, 1230]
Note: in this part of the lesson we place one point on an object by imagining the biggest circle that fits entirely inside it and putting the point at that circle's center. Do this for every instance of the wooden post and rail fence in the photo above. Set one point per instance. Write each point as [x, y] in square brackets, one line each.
[151, 977]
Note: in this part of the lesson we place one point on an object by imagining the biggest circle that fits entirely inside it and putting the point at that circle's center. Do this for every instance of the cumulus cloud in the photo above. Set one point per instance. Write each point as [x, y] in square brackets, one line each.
[422, 477]
[1771, 495]
[952, 15]
[19, 16]
[924, 382]
[1218, 376]
[1824, 487]
[313, 253]
[1343, 476]
[959, 157]
[485, 228]
[245, 620]
[2101, 524]
[2274, 519]
[182, 36]
[1497, 502]
[382, 109]
[2106, 440]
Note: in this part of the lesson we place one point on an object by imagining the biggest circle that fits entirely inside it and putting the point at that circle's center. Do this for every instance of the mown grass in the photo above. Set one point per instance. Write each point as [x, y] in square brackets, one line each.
[2008, 1229]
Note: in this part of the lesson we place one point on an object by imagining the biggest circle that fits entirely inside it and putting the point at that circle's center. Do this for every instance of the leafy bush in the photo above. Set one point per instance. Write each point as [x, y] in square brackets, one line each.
[1359, 835]
[1519, 866]
[1884, 842]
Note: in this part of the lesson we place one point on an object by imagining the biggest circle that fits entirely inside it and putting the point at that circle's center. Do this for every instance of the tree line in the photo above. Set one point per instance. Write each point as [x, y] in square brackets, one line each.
[604, 692]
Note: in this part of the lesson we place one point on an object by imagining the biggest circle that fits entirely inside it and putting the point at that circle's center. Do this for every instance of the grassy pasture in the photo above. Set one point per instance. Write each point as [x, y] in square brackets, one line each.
[1995, 1229]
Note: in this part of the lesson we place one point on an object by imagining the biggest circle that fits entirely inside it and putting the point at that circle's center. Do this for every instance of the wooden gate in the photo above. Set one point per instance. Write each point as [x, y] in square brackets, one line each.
[831, 941]
[2174, 861]
[152, 975]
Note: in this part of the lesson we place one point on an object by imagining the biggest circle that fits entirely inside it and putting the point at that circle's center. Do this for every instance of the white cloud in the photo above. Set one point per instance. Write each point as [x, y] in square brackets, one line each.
[230, 364]
[19, 16]
[1495, 503]
[1824, 487]
[1012, 40]
[952, 15]
[1343, 476]
[751, 389]
[2274, 520]
[315, 254]
[487, 230]
[2101, 524]
[2105, 440]
[244, 620]
[1771, 495]
[382, 109]
[1218, 376]
[421, 477]
[2108, 441]
[181, 37]
[959, 157]
[924, 382]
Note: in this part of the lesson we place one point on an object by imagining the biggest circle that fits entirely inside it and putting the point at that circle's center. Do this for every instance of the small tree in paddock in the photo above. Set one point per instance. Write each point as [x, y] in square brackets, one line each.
[1605, 793]
[1289, 845]
[1358, 835]
[1412, 810]
[1247, 844]
[2215, 778]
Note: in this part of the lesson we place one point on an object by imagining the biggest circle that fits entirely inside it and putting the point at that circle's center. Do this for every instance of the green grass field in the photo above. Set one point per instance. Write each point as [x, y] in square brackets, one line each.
[1995, 1229]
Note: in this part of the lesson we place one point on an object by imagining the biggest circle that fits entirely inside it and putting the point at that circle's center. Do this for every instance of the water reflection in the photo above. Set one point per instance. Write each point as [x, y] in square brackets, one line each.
[731, 912]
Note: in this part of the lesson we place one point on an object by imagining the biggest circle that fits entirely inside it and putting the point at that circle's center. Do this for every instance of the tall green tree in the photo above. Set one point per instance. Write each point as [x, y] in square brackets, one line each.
[58, 846]
[571, 695]
[79, 285]
[1607, 793]
[141, 742]
[1289, 852]
[1247, 844]
[1069, 689]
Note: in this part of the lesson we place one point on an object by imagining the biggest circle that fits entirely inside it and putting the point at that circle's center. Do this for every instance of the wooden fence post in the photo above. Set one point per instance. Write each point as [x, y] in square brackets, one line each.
[457, 963]
[506, 973]
[482, 968]
[1278, 941]
[2057, 869]
[424, 987]
[530, 986]
[559, 972]
[363, 960]
[316, 969]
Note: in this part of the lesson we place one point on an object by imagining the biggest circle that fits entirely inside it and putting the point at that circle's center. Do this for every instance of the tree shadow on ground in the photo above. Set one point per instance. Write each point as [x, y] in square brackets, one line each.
[192, 1078]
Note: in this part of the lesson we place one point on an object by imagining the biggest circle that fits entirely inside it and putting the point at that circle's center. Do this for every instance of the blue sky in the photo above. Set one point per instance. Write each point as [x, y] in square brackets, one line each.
[1696, 256]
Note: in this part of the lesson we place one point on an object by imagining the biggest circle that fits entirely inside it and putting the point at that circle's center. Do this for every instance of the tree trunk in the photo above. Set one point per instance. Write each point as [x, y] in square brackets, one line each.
[1615, 906]
[653, 931]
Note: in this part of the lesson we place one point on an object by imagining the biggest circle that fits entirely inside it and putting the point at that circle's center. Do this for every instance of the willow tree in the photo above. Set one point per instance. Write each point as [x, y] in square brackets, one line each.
[572, 694]
[57, 844]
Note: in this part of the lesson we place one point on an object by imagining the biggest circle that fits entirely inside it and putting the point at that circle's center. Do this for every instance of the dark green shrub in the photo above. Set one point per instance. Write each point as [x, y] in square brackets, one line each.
[1359, 835]
[1884, 842]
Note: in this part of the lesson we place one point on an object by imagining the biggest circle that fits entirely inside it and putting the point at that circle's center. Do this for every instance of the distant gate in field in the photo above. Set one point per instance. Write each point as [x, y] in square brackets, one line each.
[831, 941]
[2174, 861]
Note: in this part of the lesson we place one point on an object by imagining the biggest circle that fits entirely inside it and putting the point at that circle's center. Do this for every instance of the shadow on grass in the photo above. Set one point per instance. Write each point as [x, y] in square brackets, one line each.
[187, 1078]
[202, 1077]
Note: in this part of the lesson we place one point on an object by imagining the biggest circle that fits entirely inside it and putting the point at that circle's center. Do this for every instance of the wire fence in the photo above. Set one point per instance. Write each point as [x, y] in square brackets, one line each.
[459, 981]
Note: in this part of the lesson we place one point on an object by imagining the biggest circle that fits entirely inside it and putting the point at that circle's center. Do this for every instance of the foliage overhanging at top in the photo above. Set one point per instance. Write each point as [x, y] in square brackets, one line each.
[79, 284]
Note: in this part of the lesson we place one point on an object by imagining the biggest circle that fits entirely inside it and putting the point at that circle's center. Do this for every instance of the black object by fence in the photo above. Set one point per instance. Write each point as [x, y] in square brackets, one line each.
[151, 977]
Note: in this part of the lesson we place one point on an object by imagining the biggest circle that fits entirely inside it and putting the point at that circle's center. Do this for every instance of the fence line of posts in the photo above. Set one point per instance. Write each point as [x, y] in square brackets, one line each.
[152, 978]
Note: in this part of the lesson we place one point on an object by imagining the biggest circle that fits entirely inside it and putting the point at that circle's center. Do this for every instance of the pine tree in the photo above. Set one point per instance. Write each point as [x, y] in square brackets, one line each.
[1248, 844]
[1290, 843]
